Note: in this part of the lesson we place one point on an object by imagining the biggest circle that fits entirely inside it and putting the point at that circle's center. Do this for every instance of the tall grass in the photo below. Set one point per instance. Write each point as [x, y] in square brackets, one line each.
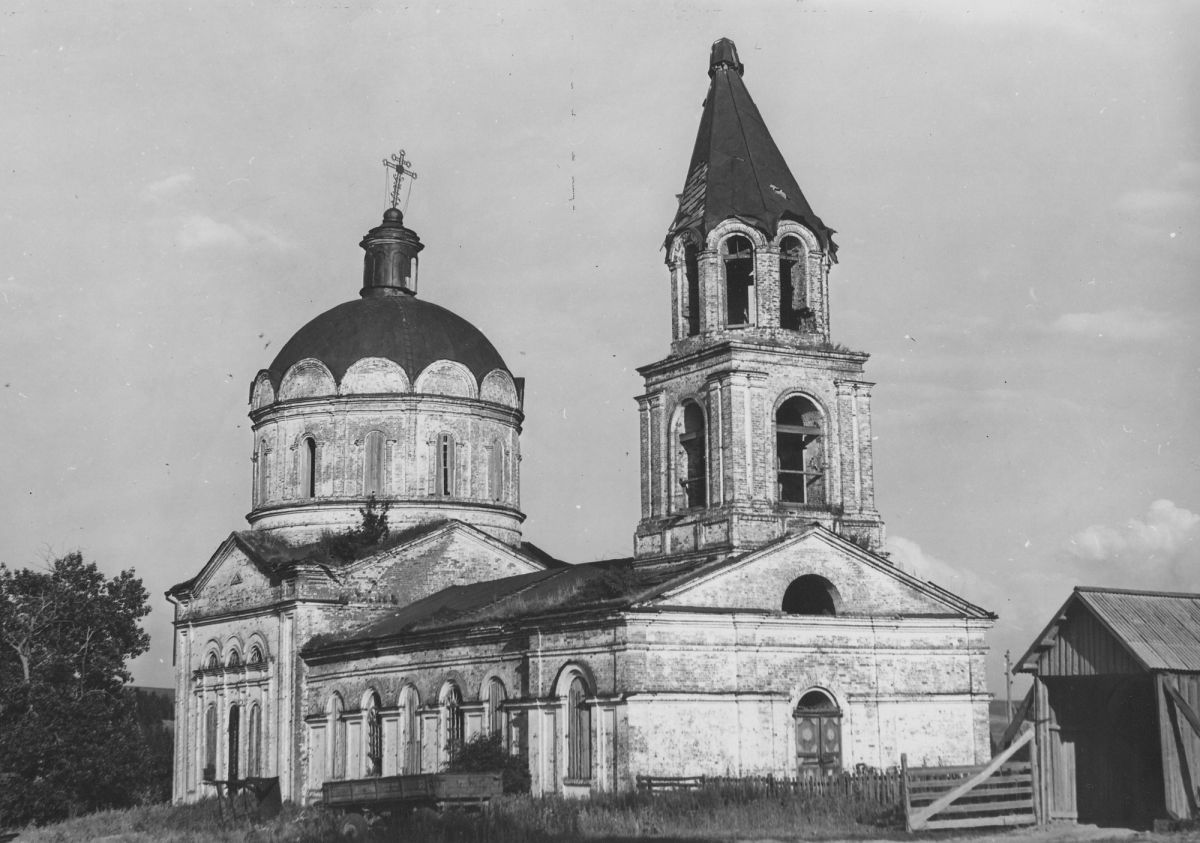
[713, 813]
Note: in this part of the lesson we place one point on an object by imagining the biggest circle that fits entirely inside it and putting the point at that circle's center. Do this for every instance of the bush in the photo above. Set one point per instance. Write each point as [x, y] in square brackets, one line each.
[359, 541]
[486, 753]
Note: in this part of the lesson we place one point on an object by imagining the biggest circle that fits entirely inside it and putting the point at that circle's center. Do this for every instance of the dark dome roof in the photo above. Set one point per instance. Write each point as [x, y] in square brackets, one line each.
[403, 329]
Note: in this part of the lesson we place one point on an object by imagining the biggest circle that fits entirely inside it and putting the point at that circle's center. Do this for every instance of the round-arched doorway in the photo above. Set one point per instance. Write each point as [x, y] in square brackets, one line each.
[818, 735]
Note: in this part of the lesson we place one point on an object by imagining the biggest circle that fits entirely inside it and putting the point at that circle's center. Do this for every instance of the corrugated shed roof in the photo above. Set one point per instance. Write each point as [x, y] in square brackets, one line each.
[1160, 629]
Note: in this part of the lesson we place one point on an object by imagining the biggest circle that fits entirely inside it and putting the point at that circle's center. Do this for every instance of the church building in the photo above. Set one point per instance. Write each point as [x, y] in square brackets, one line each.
[758, 627]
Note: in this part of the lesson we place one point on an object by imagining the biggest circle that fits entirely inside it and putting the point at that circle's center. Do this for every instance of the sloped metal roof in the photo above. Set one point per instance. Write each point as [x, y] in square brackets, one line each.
[1160, 629]
[736, 170]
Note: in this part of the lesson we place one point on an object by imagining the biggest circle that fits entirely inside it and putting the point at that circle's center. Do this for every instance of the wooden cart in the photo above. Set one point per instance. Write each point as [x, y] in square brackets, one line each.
[365, 803]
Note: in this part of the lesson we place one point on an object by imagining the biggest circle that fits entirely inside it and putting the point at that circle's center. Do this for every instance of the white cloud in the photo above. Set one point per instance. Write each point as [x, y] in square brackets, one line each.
[1158, 550]
[908, 556]
[1156, 201]
[199, 231]
[1133, 324]
[165, 187]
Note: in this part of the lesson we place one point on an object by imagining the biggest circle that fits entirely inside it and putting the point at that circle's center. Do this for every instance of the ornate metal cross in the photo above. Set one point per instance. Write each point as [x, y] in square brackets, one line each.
[401, 165]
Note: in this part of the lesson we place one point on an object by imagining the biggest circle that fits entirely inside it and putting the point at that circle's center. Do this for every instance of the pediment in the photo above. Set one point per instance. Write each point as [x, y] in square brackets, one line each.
[863, 584]
[230, 567]
[455, 554]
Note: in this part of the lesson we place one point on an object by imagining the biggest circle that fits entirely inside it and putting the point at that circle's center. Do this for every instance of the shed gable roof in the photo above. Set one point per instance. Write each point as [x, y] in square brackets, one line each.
[1158, 630]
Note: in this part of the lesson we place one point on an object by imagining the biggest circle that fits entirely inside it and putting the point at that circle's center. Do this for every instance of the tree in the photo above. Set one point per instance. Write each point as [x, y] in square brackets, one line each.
[69, 736]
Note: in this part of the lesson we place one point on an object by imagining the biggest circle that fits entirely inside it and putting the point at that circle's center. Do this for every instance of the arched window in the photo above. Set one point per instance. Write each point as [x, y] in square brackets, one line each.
[337, 744]
[793, 284]
[210, 743]
[493, 715]
[495, 471]
[373, 464]
[579, 732]
[263, 474]
[235, 726]
[256, 656]
[254, 741]
[798, 459]
[235, 659]
[693, 472]
[740, 299]
[308, 467]
[691, 300]
[374, 727]
[444, 465]
[213, 662]
[453, 722]
[811, 594]
[410, 761]
[818, 735]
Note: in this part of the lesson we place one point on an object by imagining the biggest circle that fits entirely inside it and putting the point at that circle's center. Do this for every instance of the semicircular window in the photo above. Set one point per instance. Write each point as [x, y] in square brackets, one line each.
[811, 594]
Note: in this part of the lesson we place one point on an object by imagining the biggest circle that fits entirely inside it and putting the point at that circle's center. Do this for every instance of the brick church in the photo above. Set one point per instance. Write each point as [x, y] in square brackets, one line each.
[757, 628]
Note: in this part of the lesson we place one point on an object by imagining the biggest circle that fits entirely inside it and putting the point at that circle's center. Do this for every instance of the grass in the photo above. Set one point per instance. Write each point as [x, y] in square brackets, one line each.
[711, 814]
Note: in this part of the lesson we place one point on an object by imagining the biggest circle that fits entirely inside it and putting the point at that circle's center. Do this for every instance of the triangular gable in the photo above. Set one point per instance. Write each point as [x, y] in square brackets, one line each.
[1112, 654]
[453, 555]
[866, 584]
[232, 564]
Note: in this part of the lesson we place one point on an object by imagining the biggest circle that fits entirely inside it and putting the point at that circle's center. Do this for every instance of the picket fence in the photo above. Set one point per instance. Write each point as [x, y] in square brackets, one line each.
[867, 786]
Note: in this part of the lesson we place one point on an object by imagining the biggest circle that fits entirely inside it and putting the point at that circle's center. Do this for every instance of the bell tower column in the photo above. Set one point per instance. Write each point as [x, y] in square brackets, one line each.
[755, 424]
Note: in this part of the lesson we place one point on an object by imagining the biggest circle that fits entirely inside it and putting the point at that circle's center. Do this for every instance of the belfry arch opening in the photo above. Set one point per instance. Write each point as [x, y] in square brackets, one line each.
[793, 285]
[740, 294]
[811, 594]
[693, 466]
[799, 461]
[691, 300]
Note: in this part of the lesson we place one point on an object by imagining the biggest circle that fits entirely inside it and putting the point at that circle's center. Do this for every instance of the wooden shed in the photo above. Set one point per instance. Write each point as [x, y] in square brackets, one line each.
[1115, 700]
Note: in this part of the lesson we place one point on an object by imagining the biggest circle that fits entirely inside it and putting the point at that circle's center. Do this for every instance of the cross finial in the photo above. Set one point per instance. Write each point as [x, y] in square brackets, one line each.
[401, 165]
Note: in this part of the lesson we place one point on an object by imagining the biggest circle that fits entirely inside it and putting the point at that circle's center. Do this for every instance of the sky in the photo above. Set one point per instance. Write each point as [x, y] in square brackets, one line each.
[1015, 186]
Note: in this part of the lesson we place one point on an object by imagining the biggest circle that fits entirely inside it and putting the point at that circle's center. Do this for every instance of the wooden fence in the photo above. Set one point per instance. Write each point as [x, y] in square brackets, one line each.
[879, 787]
[1000, 793]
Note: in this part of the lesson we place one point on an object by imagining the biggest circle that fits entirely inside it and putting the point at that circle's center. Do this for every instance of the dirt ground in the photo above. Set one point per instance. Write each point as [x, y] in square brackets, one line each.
[1043, 834]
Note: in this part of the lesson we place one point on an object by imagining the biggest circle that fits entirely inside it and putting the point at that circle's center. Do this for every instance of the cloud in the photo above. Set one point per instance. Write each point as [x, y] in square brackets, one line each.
[200, 232]
[162, 188]
[1152, 202]
[1134, 324]
[1158, 550]
[908, 556]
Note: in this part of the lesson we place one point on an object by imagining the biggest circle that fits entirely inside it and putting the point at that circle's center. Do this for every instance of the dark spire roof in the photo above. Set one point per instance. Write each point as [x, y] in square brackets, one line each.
[736, 169]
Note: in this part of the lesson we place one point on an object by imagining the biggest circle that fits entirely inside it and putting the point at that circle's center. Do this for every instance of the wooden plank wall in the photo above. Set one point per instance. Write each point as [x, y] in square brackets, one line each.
[1055, 758]
[1083, 647]
[1180, 745]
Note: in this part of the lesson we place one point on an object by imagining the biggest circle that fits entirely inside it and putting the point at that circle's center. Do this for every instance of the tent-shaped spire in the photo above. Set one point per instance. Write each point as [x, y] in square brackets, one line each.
[736, 169]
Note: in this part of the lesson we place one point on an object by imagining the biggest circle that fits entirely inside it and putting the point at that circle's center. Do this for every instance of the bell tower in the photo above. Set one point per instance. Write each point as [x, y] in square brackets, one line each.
[755, 424]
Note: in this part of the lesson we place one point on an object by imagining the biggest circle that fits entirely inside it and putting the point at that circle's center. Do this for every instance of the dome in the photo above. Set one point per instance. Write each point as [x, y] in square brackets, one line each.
[404, 329]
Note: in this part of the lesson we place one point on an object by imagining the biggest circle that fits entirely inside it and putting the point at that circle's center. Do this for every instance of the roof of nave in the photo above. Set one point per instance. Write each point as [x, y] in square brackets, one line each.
[589, 588]
[1159, 630]
[277, 559]
[736, 169]
[404, 329]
